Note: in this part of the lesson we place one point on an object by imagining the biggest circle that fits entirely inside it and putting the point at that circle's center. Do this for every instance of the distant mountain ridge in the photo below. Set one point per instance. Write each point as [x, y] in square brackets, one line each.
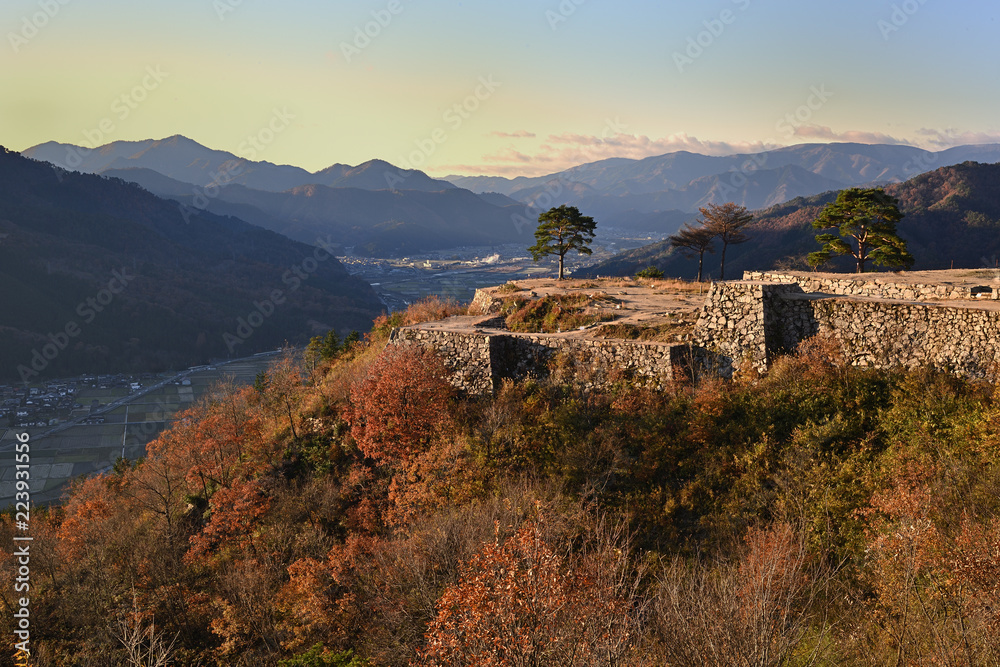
[619, 191]
[373, 222]
[185, 160]
[952, 219]
[116, 279]
[374, 208]
[378, 209]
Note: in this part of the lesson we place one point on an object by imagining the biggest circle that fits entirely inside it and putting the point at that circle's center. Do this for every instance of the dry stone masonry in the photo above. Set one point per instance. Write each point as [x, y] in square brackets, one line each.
[480, 361]
[882, 286]
[948, 320]
[879, 322]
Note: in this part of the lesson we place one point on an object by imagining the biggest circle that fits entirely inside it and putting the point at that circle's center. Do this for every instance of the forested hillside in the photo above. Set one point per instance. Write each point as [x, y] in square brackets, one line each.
[354, 511]
[113, 279]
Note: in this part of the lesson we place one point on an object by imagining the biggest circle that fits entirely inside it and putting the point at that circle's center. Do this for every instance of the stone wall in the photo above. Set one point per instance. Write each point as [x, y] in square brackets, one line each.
[882, 287]
[484, 303]
[467, 355]
[754, 321]
[880, 323]
[481, 361]
[739, 324]
[882, 334]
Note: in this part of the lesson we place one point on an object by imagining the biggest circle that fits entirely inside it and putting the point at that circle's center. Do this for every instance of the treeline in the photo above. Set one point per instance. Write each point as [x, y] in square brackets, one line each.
[364, 514]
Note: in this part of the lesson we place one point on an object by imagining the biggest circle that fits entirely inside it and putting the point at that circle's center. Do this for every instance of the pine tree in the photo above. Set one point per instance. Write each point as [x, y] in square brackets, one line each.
[868, 218]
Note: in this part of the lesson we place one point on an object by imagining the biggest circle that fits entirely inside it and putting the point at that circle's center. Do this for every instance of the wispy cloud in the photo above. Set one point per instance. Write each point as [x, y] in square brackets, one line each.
[558, 152]
[562, 151]
[520, 134]
[823, 134]
[941, 139]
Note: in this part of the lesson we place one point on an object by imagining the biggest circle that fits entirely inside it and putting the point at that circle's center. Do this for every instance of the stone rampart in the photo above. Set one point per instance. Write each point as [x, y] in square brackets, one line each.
[480, 361]
[751, 322]
[882, 286]
[882, 321]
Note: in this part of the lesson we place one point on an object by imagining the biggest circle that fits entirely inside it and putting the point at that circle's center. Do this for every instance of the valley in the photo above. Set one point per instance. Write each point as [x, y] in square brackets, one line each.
[107, 417]
[456, 273]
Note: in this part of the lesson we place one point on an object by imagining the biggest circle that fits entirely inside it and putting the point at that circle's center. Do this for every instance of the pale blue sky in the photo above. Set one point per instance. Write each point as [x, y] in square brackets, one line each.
[566, 82]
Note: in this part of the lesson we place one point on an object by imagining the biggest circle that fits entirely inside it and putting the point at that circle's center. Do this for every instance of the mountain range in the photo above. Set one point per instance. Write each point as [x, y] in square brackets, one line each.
[952, 219]
[374, 208]
[185, 160]
[99, 275]
[660, 193]
[377, 209]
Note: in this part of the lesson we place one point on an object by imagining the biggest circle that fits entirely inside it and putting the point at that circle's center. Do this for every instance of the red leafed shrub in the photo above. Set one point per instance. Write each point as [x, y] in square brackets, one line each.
[236, 513]
[399, 404]
[520, 603]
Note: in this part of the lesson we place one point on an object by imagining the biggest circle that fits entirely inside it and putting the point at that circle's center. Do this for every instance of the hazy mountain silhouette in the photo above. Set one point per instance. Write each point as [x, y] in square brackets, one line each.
[617, 190]
[71, 238]
[188, 161]
[386, 222]
[374, 207]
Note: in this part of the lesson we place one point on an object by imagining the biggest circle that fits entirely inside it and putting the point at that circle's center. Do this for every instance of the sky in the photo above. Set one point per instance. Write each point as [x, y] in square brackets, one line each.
[502, 87]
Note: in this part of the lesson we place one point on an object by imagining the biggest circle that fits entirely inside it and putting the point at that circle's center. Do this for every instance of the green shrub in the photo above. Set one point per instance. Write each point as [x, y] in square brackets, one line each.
[649, 272]
[318, 656]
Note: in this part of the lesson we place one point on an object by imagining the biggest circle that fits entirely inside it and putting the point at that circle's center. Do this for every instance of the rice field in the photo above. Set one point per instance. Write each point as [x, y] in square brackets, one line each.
[85, 449]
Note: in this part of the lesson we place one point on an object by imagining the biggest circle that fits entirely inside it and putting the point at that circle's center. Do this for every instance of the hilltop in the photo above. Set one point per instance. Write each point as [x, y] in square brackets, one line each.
[363, 513]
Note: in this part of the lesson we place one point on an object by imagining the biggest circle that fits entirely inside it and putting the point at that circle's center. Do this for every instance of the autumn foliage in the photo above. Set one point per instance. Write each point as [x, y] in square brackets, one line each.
[366, 514]
[400, 404]
[519, 603]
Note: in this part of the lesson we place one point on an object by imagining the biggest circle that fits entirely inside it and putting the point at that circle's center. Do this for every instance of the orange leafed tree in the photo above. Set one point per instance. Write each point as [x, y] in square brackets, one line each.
[400, 404]
[236, 512]
[935, 583]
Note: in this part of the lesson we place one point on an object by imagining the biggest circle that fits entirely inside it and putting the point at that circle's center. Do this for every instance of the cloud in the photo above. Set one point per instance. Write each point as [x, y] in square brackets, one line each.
[558, 152]
[562, 151]
[820, 133]
[927, 138]
[520, 134]
[941, 139]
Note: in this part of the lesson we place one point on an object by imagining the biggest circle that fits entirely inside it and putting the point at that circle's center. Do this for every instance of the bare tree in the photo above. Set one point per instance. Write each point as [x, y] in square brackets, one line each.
[144, 646]
[757, 611]
[694, 241]
[726, 222]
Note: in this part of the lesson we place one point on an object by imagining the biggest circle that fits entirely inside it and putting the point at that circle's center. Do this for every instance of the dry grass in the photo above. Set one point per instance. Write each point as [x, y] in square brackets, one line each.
[556, 313]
